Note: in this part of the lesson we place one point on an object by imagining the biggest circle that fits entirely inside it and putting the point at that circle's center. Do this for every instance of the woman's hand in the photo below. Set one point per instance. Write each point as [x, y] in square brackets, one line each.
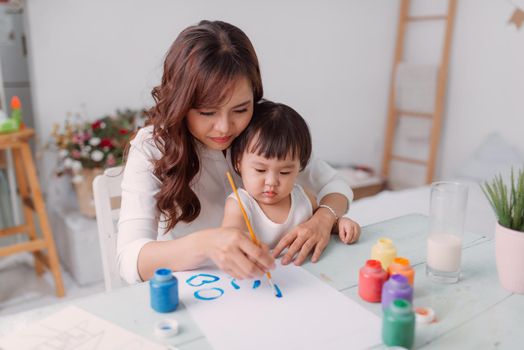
[311, 236]
[234, 253]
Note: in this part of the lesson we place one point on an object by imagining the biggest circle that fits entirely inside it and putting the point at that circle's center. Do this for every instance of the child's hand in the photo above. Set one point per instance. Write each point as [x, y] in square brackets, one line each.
[348, 230]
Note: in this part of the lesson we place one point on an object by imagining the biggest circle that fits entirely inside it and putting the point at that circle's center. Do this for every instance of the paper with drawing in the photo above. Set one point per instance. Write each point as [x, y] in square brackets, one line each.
[76, 329]
[247, 315]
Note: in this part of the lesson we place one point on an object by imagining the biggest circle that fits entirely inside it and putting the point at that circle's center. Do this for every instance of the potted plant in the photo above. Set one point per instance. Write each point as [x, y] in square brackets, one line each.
[508, 204]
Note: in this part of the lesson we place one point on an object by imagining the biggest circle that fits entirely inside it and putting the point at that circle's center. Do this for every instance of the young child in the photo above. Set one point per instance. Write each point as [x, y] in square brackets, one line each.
[268, 155]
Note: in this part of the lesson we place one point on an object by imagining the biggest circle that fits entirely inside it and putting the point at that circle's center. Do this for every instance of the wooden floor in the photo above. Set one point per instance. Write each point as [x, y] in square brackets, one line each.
[21, 290]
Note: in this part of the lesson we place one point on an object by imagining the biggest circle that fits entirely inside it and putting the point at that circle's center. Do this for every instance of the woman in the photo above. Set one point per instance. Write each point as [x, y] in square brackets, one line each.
[174, 187]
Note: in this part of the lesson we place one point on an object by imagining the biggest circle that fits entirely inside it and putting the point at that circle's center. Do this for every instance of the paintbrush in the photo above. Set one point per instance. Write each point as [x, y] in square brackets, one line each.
[250, 229]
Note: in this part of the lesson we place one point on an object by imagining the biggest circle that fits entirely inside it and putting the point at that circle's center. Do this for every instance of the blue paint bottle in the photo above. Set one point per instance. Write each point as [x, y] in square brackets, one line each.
[163, 289]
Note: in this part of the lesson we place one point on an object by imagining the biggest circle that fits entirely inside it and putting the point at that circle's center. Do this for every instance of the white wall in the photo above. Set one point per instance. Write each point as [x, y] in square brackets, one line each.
[330, 60]
[486, 86]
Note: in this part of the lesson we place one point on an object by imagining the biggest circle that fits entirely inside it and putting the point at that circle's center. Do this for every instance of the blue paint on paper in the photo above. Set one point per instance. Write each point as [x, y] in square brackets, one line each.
[279, 293]
[256, 284]
[210, 291]
[234, 284]
[207, 278]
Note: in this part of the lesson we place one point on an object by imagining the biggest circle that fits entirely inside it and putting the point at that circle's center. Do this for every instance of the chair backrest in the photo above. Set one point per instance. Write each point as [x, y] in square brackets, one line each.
[107, 193]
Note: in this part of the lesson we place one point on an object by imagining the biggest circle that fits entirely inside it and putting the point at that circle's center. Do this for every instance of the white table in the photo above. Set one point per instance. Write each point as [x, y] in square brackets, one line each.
[475, 313]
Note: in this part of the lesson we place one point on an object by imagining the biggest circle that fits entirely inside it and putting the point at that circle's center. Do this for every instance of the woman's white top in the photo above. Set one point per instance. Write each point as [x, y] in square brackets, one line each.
[268, 231]
[140, 222]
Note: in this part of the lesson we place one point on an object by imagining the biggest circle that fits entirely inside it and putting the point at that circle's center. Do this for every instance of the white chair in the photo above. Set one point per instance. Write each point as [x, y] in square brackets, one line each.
[107, 193]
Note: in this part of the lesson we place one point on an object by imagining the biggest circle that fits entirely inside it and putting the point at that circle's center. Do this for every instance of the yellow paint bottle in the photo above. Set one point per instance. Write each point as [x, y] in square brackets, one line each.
[384, 251]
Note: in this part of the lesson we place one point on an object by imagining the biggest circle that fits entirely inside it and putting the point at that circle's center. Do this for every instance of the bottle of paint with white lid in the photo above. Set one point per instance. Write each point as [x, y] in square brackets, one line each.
[371, 278]
[163, 289]
[401, 266]
[384, 251]
[397, 287]
[398, 324]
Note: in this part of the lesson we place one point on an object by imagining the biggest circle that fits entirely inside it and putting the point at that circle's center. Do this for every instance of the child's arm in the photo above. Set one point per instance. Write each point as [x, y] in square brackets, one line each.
[348, 230]
[233, 215]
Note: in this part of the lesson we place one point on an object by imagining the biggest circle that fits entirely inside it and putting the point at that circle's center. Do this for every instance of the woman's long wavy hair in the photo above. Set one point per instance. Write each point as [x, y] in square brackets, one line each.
[200, 70]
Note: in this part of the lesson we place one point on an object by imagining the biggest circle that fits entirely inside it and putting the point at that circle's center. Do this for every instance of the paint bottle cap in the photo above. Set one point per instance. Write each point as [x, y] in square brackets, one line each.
[398, 281]
[162, 275]
[374, 264]
[166, 328]
[424, 315]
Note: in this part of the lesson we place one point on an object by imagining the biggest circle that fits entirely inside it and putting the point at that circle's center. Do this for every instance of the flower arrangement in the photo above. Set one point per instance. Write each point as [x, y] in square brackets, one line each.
[97, 144]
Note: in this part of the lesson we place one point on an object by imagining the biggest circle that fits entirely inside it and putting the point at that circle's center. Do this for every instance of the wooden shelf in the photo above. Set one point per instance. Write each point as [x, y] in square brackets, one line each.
[368, 190]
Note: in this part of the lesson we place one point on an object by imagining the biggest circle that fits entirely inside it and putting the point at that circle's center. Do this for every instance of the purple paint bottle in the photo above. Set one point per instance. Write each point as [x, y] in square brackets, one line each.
[397, 287]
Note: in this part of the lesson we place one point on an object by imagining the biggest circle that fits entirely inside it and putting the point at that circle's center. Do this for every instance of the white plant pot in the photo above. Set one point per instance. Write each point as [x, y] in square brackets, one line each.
[509, 254]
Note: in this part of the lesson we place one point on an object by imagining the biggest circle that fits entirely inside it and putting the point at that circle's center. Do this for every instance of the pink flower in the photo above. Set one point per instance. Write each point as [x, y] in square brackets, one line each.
[110, 161]
[77, 139]
[75, 154]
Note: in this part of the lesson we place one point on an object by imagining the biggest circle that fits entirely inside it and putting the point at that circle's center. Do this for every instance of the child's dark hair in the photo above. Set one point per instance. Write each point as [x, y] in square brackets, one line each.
[278, 130]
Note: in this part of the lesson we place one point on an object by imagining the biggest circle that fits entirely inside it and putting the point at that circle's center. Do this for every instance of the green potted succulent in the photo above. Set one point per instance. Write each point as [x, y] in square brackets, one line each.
[508, 204]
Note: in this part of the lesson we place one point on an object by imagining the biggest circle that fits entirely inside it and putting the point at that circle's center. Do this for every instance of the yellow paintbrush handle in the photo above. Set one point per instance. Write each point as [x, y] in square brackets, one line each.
[244, 214]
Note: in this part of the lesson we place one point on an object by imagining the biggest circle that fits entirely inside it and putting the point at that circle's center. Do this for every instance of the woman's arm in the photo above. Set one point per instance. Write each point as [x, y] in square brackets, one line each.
[138, 221]
[139, 253]
[228, 247]
[179, 254]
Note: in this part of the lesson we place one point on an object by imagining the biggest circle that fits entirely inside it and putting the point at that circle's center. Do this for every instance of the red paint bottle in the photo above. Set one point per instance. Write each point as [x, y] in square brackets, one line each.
[370, 280]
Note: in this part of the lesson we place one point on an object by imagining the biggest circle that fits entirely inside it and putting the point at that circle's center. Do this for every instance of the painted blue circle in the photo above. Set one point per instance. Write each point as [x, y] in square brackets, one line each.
[198, 295]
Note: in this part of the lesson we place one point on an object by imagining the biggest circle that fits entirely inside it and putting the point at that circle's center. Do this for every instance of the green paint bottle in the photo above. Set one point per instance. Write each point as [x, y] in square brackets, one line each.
[398, 324]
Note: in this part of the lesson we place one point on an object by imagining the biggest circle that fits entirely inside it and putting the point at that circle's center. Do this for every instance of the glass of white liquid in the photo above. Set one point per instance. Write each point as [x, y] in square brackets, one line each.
[447, 211]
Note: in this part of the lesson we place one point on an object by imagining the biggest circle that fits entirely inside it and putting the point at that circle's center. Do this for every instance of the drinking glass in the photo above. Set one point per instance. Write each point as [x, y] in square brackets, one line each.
[447, 211]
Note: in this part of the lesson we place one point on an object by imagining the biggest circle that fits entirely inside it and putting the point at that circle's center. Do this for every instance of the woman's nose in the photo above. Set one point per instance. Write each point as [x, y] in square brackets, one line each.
[222, 124]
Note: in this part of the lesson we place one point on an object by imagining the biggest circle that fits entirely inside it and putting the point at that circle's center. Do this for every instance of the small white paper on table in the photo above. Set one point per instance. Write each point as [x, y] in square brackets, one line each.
[75, 329]
[310, 315]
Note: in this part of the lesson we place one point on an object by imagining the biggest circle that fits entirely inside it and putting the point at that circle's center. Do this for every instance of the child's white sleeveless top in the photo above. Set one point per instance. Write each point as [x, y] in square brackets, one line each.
[270, 232]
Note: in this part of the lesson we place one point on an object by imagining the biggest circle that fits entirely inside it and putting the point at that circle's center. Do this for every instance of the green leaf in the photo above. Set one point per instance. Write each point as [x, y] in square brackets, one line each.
[507, 202]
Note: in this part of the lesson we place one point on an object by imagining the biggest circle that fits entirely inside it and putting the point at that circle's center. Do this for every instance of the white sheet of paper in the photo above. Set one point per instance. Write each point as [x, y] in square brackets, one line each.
[310, 314]
[75, 329]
